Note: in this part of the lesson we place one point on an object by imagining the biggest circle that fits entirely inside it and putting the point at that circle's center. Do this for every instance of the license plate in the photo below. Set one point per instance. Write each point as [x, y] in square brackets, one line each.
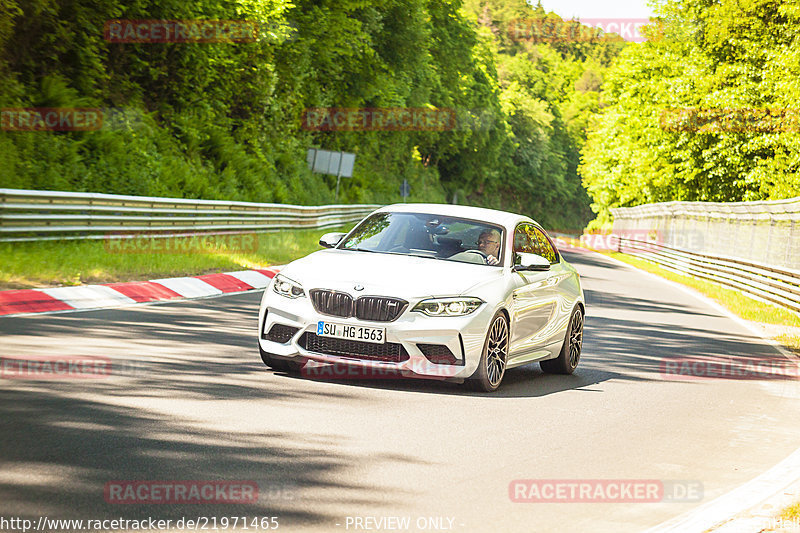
[351, 333]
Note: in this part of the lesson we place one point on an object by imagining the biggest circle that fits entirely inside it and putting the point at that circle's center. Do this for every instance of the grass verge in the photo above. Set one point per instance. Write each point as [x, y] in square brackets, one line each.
[792, 513]
[57, 263]
[787, 521]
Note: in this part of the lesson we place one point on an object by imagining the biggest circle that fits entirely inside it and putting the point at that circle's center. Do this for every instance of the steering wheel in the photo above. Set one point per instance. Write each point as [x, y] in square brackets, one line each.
[480, 253]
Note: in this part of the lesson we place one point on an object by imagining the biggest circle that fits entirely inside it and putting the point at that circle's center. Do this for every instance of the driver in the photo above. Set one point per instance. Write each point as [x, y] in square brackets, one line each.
[489, 243]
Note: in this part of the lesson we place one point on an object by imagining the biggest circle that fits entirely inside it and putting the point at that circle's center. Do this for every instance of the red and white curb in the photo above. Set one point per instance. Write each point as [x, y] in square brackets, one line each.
[84, 297]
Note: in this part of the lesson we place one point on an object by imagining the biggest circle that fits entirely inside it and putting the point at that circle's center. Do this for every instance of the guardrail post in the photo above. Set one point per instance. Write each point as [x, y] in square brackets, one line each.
[752, 239]
[768, 254]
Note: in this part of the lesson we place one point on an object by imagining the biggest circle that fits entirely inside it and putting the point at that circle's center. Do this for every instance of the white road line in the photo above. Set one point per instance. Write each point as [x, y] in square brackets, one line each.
[721, 514]
[734, 511]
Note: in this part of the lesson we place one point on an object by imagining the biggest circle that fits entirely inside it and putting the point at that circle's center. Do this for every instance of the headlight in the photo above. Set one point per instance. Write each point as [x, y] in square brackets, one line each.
[286, 287]
[448, 306]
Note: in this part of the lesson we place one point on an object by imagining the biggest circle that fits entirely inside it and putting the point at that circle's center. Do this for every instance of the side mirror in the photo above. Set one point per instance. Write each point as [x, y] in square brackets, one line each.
[329, 240]
[527, 262]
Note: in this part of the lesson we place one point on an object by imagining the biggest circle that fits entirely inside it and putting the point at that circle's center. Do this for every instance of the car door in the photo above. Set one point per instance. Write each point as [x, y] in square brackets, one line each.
[557, 279]
[533, 298]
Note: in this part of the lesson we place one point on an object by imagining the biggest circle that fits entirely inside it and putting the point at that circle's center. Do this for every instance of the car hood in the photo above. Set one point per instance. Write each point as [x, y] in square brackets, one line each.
[387, 274]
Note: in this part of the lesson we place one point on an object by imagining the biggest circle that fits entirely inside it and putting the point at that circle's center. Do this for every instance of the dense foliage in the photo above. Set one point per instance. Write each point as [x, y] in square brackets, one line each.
[224, 120]
[732, 67]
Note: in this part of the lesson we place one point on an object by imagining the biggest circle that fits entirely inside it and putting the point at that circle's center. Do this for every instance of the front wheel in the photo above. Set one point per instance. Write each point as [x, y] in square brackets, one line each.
[567, 360]
[281, 365]
[492, 367]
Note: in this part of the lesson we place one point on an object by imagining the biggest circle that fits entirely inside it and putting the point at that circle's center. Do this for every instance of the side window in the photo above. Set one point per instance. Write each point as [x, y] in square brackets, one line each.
[523, 241]
[546, 249]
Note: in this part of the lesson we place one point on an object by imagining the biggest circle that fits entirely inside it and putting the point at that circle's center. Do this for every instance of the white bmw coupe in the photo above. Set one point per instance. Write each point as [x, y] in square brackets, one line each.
[428, 290]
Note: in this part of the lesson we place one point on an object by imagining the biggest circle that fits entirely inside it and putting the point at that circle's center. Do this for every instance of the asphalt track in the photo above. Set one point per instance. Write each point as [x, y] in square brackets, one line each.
[189, 399]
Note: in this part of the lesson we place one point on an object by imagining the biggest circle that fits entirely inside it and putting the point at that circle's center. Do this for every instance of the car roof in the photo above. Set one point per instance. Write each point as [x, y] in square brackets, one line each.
[503, 218]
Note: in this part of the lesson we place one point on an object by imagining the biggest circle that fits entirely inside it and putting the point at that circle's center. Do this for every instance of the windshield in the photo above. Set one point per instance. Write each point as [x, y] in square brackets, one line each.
[428, 235]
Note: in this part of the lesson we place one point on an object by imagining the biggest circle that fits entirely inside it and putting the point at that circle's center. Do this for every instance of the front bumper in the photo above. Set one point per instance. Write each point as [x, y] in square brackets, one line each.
[463, 336]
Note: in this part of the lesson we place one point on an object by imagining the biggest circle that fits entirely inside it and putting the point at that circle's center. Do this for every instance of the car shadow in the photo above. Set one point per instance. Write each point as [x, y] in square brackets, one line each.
[610, 300]
[64, 440]
[527, 381]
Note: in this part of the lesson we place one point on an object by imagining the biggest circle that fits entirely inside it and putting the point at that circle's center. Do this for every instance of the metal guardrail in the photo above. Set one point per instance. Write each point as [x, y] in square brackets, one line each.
[762, 232]
[788, 209]
[777, 285]
[27, 215]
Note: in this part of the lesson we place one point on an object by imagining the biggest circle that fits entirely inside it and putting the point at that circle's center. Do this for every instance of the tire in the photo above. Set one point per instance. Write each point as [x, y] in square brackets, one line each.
[494, 357]
[276, 363]
[570, 355]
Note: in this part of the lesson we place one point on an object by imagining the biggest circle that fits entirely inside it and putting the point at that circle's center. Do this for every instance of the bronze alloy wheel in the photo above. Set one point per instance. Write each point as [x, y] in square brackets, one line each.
[575, 339]
[570, 355]
[492, 367]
